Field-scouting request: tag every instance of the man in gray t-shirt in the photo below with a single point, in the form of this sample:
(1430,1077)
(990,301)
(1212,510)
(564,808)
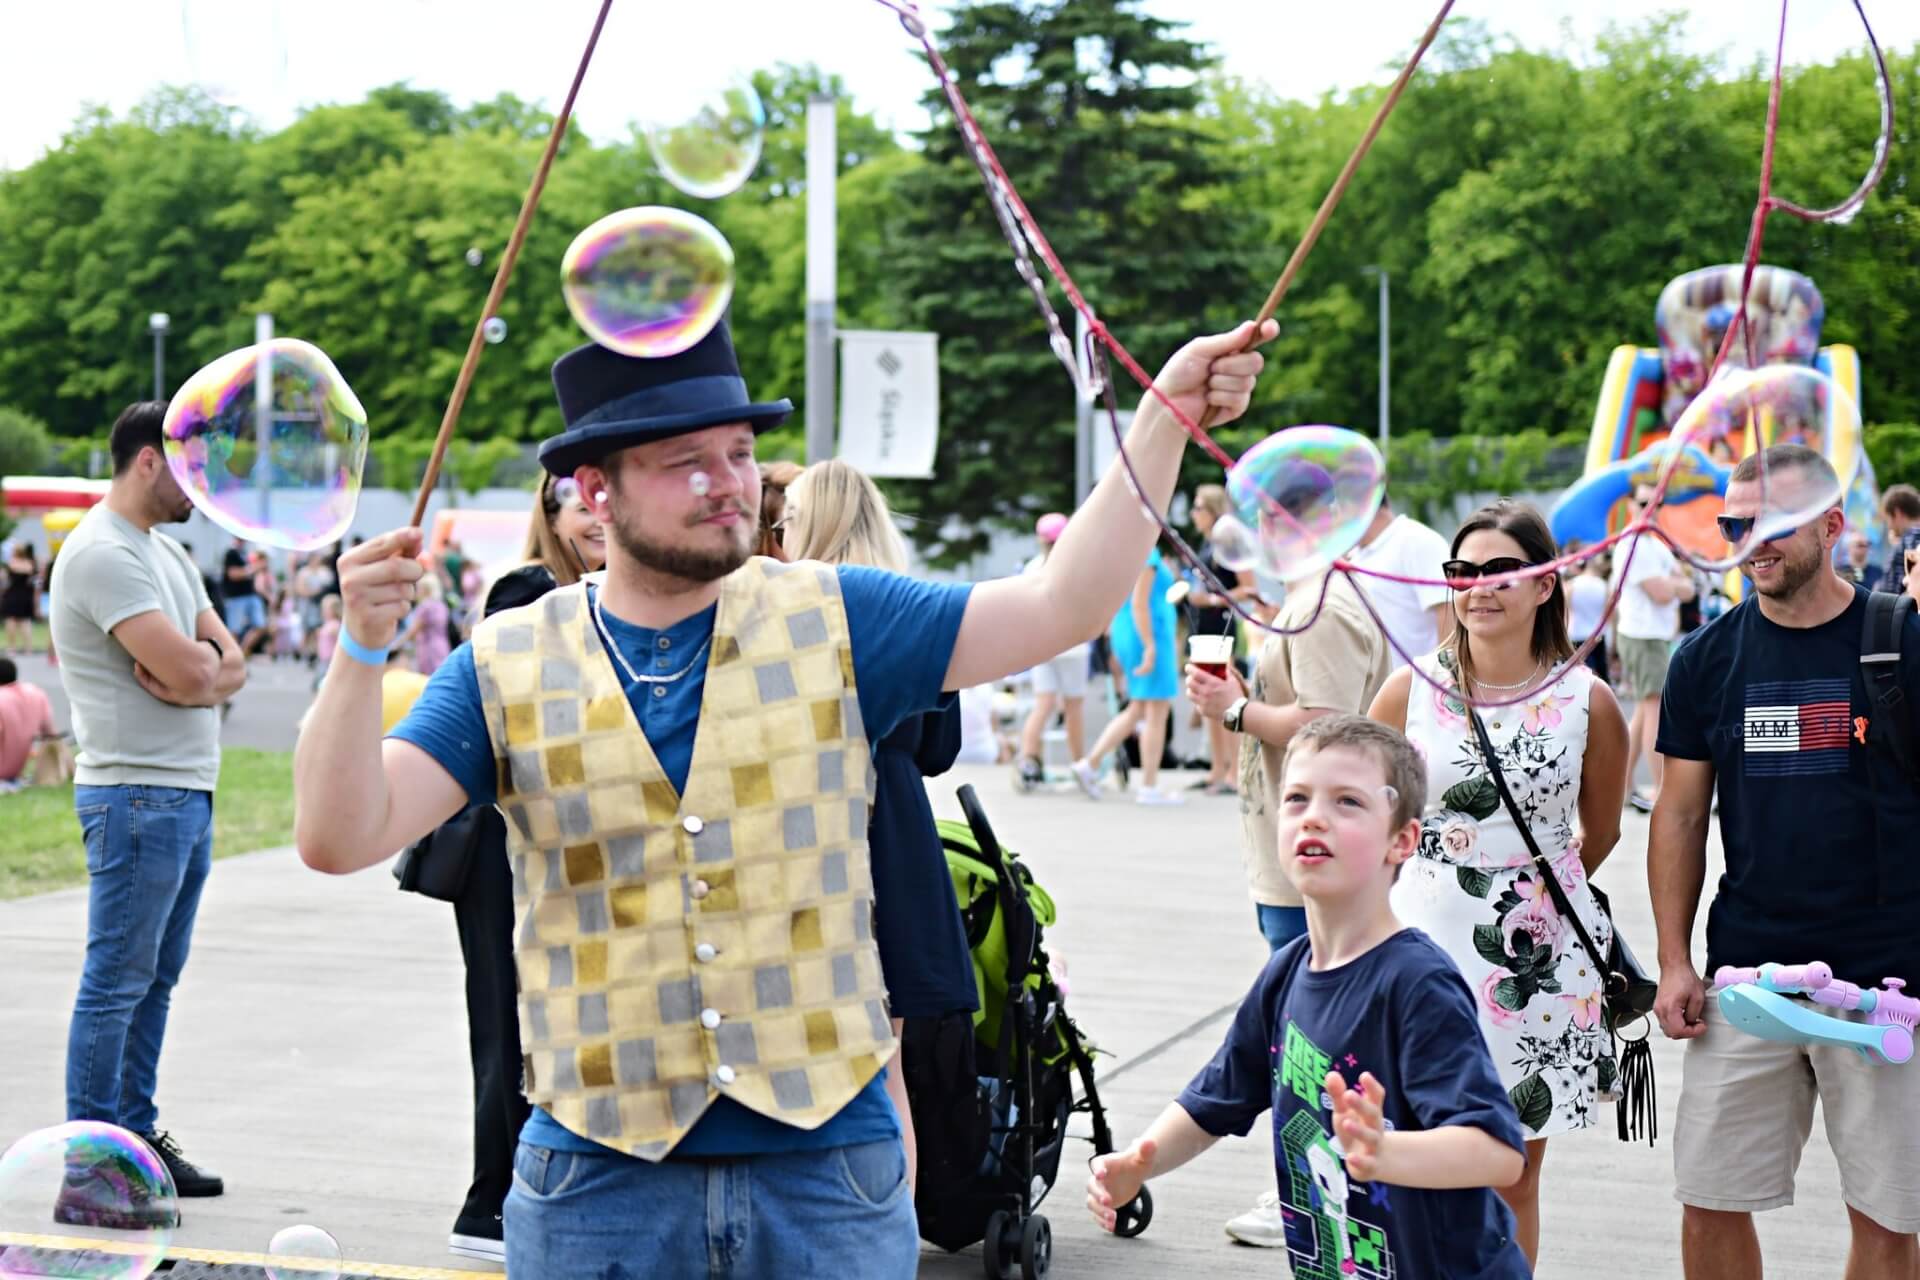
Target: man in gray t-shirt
(146,662)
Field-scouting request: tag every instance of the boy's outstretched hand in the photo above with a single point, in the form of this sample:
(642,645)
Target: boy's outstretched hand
(1357,1122)
(1116,1179)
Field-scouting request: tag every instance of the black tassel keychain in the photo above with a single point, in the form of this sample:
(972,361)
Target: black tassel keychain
(1635,1111)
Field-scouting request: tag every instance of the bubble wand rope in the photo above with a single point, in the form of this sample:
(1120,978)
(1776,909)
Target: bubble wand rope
(1298,259)
(478,342)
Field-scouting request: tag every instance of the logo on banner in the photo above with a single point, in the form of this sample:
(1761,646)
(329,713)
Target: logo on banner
(889,363)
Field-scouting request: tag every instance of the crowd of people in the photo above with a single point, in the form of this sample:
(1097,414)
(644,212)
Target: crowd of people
(670,772)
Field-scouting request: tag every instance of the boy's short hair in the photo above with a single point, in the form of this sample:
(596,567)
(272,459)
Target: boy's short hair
(1901,500)
(1402,766)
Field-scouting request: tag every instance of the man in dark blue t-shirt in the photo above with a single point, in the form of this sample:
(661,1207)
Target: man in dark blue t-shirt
(1817,820)
(708,968)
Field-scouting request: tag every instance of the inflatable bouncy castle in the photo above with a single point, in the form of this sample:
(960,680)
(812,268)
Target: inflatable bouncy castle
(1647,389)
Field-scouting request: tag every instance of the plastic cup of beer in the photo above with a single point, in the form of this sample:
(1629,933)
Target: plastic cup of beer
(1212,654)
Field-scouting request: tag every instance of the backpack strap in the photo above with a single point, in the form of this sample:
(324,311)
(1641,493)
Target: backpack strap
(1892,720)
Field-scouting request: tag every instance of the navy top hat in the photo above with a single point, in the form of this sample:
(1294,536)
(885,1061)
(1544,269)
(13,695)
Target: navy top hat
(611,401)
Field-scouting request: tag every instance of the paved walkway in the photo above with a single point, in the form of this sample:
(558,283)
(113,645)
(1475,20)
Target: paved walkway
(317,1055)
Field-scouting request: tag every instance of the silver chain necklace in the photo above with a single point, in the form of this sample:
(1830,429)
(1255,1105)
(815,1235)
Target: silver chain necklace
(1531,676)
(606,636)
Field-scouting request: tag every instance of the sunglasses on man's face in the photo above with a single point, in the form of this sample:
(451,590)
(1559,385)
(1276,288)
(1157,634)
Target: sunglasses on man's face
(1736,528)
(1462,573)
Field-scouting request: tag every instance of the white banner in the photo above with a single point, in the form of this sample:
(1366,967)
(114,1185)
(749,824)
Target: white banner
(889,402)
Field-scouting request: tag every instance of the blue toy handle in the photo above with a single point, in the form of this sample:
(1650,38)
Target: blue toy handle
(1768,1015)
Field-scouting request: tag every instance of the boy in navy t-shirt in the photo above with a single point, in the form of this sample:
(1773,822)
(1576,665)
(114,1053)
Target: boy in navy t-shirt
(1389,1121)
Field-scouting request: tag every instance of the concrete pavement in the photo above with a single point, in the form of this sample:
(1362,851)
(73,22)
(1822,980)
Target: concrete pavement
(317,1053)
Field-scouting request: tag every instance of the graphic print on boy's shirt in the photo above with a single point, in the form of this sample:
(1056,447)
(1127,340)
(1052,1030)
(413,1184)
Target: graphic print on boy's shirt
(1328,1238)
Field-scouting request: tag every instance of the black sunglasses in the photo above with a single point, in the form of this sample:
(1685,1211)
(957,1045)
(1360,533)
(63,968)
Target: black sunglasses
(1457,572)
(1736,528)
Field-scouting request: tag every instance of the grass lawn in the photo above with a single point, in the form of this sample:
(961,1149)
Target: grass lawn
(41,849)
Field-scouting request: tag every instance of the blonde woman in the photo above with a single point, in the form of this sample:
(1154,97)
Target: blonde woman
(836,514)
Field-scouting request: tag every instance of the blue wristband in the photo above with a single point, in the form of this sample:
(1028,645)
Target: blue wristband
(359,652)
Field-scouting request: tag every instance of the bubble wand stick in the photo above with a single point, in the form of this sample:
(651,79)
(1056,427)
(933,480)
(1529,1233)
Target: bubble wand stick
(478,342)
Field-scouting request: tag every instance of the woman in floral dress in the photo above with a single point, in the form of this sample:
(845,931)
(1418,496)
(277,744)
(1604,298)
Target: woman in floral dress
(1473,885)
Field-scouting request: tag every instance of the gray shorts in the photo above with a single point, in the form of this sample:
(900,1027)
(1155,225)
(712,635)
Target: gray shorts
(1643,667)
(1065,675)
(1746,1108)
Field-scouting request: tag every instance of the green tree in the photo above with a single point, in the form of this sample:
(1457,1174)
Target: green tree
(1089,104)
(25,446)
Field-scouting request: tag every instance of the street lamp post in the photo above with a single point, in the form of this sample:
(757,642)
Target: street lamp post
(1386,359)
(158,322)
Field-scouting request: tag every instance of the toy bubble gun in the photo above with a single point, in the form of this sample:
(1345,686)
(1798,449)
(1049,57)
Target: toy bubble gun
(1755,1000)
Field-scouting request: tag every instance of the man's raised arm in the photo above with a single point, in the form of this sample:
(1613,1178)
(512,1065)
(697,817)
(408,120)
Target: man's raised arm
(357,800)
(1014,623)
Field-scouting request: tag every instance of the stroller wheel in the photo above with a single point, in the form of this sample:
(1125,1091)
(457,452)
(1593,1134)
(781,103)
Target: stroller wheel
(1036,1248)
(994,1253)
(1133,1216)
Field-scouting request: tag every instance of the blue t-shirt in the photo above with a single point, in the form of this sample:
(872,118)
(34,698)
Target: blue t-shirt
(1402,1012)
(902,633)
(1816,821)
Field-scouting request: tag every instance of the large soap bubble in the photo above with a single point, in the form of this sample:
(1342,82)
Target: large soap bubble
(650,281)
(1310,492)
(95,1202)
(1746,411)
(708,143)
(281,469)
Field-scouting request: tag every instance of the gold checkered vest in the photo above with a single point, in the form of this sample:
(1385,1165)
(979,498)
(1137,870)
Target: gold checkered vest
(674,948)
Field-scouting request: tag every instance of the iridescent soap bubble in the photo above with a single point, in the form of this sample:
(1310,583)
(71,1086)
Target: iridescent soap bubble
(1233,545)
(286,473)
(649,281)
(1309,492)
(303,1253)
(495,330)
(475,257)
(700,483)
(1749,410)
(103,1192)
(708,142)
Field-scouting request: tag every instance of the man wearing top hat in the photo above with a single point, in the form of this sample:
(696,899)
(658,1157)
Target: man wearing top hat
(681,748)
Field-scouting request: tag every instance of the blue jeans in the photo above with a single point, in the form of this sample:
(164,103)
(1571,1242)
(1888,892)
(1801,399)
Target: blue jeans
(148,852)
(244,614)
(844,1212)
(1280,925)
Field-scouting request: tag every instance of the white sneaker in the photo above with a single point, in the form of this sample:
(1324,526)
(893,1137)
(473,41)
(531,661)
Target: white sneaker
(1262,1226)
(1154,795)
(1089,780)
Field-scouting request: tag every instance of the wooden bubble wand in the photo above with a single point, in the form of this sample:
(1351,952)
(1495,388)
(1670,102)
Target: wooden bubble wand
(478,342)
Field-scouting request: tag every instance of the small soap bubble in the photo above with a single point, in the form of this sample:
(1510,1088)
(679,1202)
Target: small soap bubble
(475,257)
(650,281)
(1749,410)
(303,1253)
(1309,492)
(287,477)
(1233,545)
(707,143)
(495,330)
(700,482)
(103,1191)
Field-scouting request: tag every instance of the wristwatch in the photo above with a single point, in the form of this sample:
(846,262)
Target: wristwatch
(1234,713)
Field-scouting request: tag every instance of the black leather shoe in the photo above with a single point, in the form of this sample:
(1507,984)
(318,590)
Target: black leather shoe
(189,1179)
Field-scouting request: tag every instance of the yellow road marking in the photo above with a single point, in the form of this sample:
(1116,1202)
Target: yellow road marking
(228,1257)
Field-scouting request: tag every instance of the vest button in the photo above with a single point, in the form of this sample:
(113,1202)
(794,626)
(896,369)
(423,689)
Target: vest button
(659,691)
(701,888)
(665,643)
(709,1018)
(704,953)
(723,1075)
(693,826)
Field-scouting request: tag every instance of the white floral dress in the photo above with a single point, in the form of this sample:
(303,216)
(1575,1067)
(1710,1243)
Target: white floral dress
(1476,890)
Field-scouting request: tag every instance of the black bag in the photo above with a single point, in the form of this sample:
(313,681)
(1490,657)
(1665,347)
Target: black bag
(437,864)
(1627,993)
(1891,725)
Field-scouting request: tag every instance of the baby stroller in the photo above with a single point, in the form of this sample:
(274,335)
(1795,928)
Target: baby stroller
(991,1093)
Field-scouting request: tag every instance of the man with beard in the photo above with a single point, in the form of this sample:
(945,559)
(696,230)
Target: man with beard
(1817,816)
(145,659)
(681,747)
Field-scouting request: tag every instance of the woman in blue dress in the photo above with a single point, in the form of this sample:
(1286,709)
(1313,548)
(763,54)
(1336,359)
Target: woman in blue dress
(834,513)
(1145,649)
